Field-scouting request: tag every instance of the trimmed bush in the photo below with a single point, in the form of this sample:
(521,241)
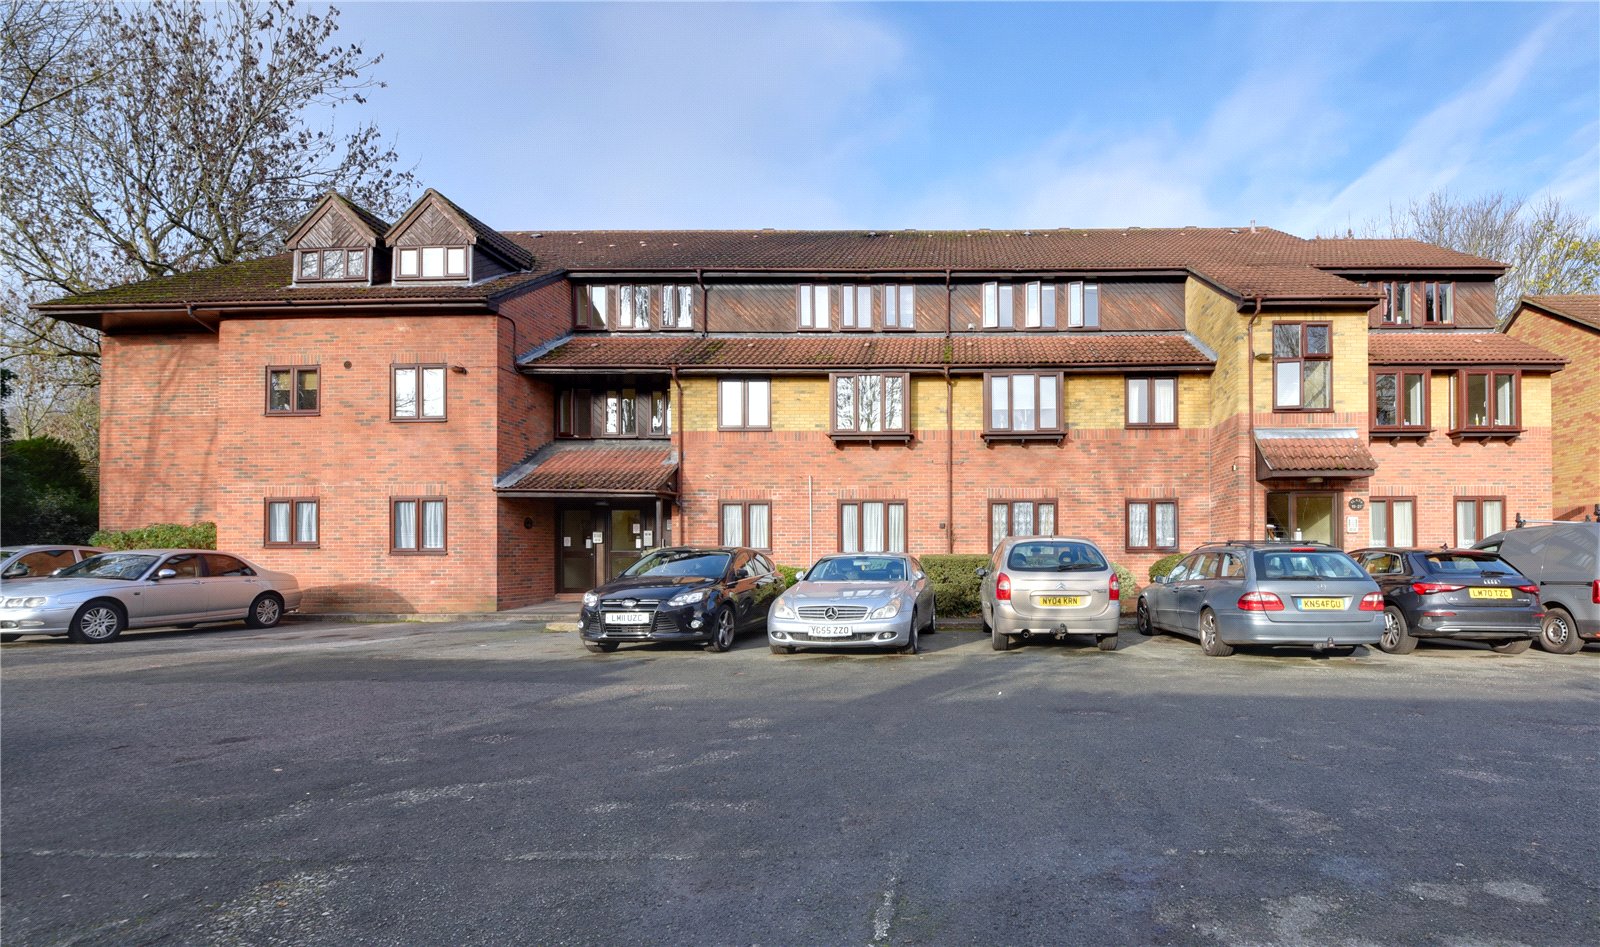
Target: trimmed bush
(791,574)
(1127,588)
(159,536)
(1163,566)
(955,583)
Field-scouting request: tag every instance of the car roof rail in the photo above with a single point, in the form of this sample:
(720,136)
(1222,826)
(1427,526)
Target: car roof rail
(1278,542)
(1522,521)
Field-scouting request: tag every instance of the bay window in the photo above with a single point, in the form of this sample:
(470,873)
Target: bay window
(1399,401)
(1485,402)
(872,526)
(870,403)
(1302,366)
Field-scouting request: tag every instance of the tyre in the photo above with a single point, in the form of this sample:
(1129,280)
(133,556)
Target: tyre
(998,641)
(1559,633)
(1515,646)
(1141,619)
(600,647)
(97,623)
(933,620)
(1397,637)
(1107,642)
(1210,641)
(722,638)
(910,647)
(266,611)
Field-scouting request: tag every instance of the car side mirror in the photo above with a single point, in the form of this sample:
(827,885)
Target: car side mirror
(167,574)
(918,576)
(1163,579)
(982,571)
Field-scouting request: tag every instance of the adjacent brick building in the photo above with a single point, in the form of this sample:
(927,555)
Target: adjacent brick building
(1569,324)
(436,416)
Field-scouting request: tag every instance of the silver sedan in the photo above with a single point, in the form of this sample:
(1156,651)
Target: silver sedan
(856,600)
(95,600)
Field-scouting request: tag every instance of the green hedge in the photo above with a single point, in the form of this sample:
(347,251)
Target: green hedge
(1163,566)
(955,583)
(791,574)
(159,536)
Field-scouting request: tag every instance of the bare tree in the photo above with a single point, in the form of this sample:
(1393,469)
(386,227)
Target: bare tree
(42,47)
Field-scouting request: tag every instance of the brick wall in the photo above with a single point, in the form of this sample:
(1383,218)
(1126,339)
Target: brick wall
(1575,410)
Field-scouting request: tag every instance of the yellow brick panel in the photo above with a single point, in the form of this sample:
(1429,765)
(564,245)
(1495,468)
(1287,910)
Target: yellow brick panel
(1349,359)
(1535,400)
(1216,321)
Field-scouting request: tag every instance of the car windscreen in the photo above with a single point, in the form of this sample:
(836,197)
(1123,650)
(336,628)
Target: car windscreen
(1055,556)
(858,569)
(681,562)
(111,565)
(1455,563)
(1292,564)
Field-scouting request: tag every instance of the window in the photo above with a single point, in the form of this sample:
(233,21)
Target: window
(1397,303)
(1153,525)
(677,307)
(1477,517)
(418,392)
(998,305)
(222,567)
(1083,305)
(1302,366)
(593,306)
(1439,303)
(744,404)
(870,404)
(418,525)
(872,526)
(1394,521)
(899,307)
(1400,401)
(1152,402)
(855,307)
(431,263)
(1023,403)
(293,390)
(291,522)
(1020,518)
(623,412)
(332,265)
(747,524)
(660,414)
(814,309)
(1484,402)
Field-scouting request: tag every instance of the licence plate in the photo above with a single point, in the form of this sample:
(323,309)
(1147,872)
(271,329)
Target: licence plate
(830,631)
(1062,601)
(627,618)
(1322,605)
(1490,593)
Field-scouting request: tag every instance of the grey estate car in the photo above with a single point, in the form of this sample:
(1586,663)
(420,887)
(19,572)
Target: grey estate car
(855,600)
(1044,586)
(1563,559)
(1268,593)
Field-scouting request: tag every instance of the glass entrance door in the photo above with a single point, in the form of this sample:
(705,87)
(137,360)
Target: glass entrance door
(625,541)
(1310,517)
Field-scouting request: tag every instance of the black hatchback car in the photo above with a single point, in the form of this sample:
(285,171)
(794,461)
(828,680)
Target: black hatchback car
(1452,593)
(682,593)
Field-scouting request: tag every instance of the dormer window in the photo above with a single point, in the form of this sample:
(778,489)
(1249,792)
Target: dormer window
(431,263)
(318,266)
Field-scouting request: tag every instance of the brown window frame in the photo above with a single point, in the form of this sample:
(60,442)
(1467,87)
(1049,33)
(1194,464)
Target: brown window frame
(584,313)
(1388,519)
(1089,314)
(1391,291)
(295,542)
(1422,427)
(884,433)
(902,323)
(1433,295)
(1051,502)
(295,371)
(744,523)
(1477,502)
(805,294)
(419,550)
(860,532)
(418,367)
(852,292)
(321,254)
(1150,399)
(676,290)
(744,403)
(1150,504)
(1056,433)
(1305,356)
(1458,402)
(464,276)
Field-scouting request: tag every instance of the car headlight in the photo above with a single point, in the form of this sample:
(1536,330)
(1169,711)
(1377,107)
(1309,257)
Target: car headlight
(590,600)
(888,611)
(31,602)
(688,598)
(782,609)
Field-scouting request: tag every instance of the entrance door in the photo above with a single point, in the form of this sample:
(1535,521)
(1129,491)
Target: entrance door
(1311,517)
(625,542)
(576,550)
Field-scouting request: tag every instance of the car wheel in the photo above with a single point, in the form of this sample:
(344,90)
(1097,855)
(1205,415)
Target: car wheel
(1558,634)
(722,638)
(910,647)
(1107,642)
(1210,641)
(998,641)
(600,647)
(933,620)
(7,639)
(265,612)
(1397,637)
(1141,619)
(1515,646)
(96,623)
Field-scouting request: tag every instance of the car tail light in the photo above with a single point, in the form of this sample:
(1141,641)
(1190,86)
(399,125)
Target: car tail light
(1116,588)
(1260,602)
(1433,588)
(1534,590)
(1372,602)
(1594,593)
(1002,588)
(1303,549)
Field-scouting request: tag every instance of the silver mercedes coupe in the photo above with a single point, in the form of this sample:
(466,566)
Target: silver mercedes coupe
(854,600)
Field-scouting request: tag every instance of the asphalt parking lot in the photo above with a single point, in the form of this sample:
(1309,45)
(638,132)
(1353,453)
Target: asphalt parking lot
(485,783)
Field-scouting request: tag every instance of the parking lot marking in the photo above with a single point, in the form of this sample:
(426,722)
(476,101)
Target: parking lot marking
(884,915)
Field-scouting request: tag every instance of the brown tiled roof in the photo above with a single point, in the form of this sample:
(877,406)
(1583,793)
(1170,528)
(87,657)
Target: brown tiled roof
(582,467)
(1339,451)
(1444,347)
(844,351)
(1389,253)
(1579,307)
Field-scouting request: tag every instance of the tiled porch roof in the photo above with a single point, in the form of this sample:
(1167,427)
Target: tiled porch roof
(1294,452)
(583,468)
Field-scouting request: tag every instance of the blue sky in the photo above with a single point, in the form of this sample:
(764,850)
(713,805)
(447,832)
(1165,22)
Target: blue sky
(1306,117)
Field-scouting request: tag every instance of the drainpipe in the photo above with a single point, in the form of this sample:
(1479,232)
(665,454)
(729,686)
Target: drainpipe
(949,463)
(811,524)
(681,436)
(1250,414)
(189,309)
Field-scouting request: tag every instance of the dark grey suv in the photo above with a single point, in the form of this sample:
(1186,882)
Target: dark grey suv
(1268,593)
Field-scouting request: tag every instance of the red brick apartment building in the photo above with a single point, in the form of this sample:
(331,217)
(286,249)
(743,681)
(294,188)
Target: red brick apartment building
(431,415)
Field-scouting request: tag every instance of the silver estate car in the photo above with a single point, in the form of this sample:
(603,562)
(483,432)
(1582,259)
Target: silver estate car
(1269,593)
(1036,586)
(855,600)
(96,599)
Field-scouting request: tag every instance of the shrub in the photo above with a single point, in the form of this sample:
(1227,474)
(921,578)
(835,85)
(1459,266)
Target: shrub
(159,536)
(48,498)
(1163,566)
(1127,588)
(791,574)
(955,583)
